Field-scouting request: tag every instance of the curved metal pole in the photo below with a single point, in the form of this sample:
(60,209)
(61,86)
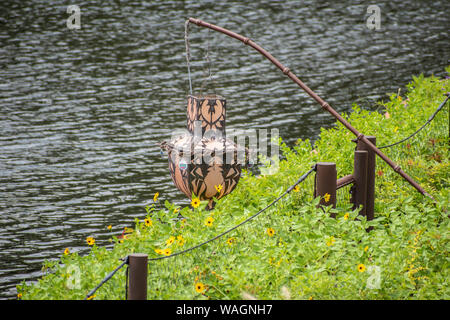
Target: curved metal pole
(313,95)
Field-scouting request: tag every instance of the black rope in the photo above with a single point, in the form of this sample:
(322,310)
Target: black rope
(109,276)
(423,126)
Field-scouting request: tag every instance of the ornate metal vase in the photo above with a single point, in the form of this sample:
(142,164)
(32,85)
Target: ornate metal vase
(202,162)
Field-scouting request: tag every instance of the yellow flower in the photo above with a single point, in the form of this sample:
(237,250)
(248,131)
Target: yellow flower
(361,267)
(159,251)
(148,222)
(90,241)
(170,241)
(297,188)
(199,287)
(209,221)
(230,241)
(279,262)
(346,216)
(218,188)
(167,252)
(66,252)
(176,210)
(326,197)
(155,197)
(180,240)
(195,203)
(331,241)
(366,248)
(270,232)
(19,295)
(91,297)
(109,227)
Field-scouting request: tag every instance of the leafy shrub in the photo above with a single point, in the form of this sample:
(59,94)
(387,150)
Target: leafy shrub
(295,250)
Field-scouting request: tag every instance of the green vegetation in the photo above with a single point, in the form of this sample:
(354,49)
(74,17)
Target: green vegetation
(294,250)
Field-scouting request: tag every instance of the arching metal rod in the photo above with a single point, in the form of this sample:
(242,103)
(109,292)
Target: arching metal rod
(313,95)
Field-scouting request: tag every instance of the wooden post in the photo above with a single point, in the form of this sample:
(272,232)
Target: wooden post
(360,175)
(137,276)
(371,159)
(326,177)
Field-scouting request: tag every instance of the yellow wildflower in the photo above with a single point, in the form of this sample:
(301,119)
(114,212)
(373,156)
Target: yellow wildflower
(90,241)
(167,252)
(155,197)
(209,221)
(361,267)
(66,252)
(346,216)
(270,232)
(19,295)
(326,197)
(199,287)
(297,188)
(170,241)
(91,297)
(195,203)
(109,227)
(158,251)
(148,222)
(218,188)
(366,248)
(230,241)
(180,240)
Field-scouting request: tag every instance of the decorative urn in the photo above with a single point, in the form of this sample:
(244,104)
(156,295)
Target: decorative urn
(202,161)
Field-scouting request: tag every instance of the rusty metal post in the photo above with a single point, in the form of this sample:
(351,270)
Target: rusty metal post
(371,163)
(360,173)
(137,276)
(326,177)
(344,181)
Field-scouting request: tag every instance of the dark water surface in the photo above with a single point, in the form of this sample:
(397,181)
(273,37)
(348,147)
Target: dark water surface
(81,110)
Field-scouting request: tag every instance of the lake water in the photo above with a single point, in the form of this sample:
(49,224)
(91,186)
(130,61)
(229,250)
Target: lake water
(81,110)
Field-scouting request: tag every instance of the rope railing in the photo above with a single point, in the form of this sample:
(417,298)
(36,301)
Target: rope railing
(441,106)
(109,276)
(126,259)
